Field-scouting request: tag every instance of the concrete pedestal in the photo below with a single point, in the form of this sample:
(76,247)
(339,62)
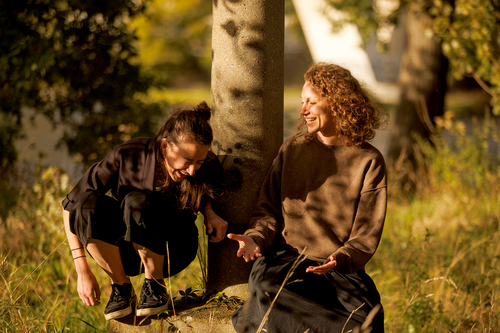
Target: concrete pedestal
(192,318)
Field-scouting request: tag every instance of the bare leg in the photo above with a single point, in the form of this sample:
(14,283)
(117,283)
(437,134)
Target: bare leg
(108,257)
(153,262)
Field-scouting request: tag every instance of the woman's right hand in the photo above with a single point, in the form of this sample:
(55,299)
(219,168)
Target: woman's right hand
(248,249)
(88,288)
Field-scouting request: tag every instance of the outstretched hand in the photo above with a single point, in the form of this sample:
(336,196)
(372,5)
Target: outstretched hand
(248,249)
(328,266)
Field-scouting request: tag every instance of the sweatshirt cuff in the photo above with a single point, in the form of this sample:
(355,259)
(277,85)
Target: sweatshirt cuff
(343,262)
(257,239)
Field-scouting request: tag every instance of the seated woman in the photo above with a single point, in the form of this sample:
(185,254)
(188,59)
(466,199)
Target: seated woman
(324,196)
(157,186)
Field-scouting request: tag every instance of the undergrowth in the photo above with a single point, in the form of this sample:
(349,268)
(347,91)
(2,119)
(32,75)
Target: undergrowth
(37,276)
(437,267)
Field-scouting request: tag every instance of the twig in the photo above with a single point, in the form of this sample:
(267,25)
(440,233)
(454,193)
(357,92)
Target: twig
(484,86)
(410,303)
(370,317)
(359,307)
(299,260)
(491,310)
(423,113)
(41,263)
(169,283)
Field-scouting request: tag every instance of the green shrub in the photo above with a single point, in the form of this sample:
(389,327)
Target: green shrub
(37,277)
(437,267)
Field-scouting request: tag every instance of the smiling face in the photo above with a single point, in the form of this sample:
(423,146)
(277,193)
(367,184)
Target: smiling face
(316,112)
(184,157)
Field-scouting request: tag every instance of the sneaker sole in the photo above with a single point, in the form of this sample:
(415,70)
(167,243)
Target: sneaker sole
(121,313)
(151,311)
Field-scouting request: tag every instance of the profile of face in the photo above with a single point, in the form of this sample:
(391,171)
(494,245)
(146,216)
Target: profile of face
(316,111)
(183,157)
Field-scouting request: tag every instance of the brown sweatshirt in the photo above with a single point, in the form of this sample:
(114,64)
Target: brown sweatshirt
(327,199)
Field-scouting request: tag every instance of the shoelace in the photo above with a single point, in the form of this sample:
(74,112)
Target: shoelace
(118,293)
(150,292)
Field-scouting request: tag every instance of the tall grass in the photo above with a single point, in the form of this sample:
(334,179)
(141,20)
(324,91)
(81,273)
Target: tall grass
(37,276)
(437,267)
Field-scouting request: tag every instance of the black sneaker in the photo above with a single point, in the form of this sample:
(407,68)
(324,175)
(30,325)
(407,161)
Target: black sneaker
(121,301)
(154,298)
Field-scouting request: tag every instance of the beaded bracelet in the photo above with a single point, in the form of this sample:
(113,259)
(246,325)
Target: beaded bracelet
(78,248)
(79,257)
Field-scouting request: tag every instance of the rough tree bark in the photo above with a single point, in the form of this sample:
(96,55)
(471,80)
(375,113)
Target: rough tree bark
(422,79)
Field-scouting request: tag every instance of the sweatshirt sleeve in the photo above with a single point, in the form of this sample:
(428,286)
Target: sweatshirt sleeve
(368,223)
(267,218)
(99,177)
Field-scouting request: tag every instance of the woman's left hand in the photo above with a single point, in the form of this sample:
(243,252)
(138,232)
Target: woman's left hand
(327,267)
(216,227)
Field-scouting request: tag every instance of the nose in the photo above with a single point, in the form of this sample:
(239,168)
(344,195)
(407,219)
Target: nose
(191,170)
(303,109)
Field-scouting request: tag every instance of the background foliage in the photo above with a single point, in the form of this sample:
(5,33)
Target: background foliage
(446,40)
(437,267)
(69,60)
(174,42)
(468,29)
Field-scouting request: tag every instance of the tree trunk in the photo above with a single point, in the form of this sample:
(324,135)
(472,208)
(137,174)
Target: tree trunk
(422,80)
(247,101)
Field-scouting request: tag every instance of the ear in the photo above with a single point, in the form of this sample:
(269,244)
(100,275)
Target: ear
(164,144)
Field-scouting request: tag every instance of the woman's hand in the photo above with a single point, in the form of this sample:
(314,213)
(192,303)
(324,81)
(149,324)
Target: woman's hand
(217,223)
(327,267)
(88,288)
(213,222)
(248,249)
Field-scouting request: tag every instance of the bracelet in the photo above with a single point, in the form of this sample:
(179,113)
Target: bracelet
(79,257)
(78,248)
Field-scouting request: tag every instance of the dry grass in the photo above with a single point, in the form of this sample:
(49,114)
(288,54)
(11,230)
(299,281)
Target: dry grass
(437,267)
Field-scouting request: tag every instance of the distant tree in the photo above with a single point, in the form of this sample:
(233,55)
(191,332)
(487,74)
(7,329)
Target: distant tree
(470,35)
(69,60)
(174,41)
(462,33)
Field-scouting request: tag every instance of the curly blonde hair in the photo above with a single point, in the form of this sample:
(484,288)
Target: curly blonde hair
(356,116)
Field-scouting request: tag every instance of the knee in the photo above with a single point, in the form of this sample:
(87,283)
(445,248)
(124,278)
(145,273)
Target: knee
(135,201)
(88,200)
(86,205)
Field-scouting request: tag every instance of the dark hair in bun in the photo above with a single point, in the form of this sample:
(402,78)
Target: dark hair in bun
(181,125)
(204,110)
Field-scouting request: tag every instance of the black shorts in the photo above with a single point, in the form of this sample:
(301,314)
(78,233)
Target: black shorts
(145,218)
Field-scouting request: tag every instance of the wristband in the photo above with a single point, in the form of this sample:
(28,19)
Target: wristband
(78,248)
(79,257)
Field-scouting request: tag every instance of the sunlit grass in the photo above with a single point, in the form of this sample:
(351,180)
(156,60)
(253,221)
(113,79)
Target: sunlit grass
(437,267)
(37,276)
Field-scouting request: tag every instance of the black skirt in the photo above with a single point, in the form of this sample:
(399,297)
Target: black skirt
(147,219)
(332,302)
